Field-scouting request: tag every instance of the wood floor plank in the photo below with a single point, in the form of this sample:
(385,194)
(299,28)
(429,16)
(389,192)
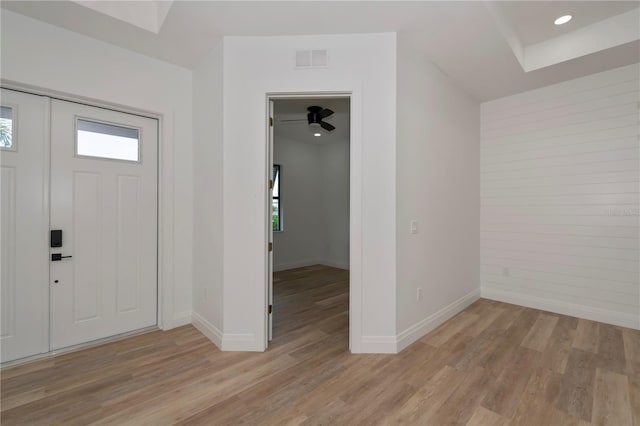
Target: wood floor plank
(611,405)
(478,349)
(633,375)
(557,352)
(567,321)
(455,325)
(507,390)
(508,317)
(387,375)
(294,384)
(16,400)
(426,400)
(21,370)
(483,417)
(485,318)
(535,406)
(459,407)
(200,393)
(631,340)
(539,335)
(437,358)
(532,411)
(575,396)
(355,376)
(329,414)
(494,363)
(634,396)
(384,397)
(227,411)
(587,336)
(611,350)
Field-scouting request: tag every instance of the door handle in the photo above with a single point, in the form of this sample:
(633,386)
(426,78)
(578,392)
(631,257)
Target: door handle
(58,256)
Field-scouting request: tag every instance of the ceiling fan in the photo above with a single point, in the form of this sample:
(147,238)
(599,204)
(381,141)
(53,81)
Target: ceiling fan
(316,117)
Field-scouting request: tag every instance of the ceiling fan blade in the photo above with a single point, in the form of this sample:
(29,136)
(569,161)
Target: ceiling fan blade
(328,127)
(326,113)
(297,119)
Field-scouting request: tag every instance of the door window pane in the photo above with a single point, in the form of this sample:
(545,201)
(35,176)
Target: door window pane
(107,141)
(6,127)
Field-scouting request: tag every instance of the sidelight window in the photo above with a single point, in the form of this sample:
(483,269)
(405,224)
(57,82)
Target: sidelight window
(7,128)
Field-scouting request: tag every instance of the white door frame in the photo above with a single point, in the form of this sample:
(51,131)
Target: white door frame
(355,206)
(165,192)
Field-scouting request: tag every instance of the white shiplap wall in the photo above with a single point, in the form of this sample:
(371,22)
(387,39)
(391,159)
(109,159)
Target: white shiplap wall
(560,208)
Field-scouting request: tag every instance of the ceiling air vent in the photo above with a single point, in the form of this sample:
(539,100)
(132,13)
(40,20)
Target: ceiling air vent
(311,59)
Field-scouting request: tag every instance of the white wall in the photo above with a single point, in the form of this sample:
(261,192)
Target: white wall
(254,66)
(207,205)
(48,57)
(314,187)
(560,204)
(438,170)
(335,203)
(301,241)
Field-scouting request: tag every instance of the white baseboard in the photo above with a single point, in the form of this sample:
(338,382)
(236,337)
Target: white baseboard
(377,345)
(241,342)
(302,263)
(335,264)
(428,324)
(564,308)
(226,342)
(181,318)
(296,264)
(205,327)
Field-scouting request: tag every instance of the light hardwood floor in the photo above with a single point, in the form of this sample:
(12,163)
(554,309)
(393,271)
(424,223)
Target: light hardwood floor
(493,364)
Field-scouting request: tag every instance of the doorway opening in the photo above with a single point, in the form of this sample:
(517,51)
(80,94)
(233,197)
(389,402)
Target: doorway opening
(309,217)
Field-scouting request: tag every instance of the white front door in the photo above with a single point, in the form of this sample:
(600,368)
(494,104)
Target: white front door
(24,217)
(104,200)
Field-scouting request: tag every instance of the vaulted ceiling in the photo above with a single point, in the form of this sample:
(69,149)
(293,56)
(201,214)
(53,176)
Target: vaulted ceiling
(491,49)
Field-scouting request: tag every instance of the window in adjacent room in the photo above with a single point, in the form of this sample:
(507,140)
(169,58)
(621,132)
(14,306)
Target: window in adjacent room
(276,206)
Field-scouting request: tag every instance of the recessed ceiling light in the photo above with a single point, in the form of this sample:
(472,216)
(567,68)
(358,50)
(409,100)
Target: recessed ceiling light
(317,135)
(562,20)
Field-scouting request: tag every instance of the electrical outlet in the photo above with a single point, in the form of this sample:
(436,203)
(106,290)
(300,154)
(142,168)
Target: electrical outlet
(419,294)
(413,226)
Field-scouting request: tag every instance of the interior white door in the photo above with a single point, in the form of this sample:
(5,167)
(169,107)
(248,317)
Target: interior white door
(104,199)
(24,227)
(270,229)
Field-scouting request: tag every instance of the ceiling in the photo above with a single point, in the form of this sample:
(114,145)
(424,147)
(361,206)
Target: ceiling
(288,109)
(541,27)
(490,49)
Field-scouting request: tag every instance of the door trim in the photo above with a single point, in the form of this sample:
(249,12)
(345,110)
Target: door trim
(165,266)
(355,207)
